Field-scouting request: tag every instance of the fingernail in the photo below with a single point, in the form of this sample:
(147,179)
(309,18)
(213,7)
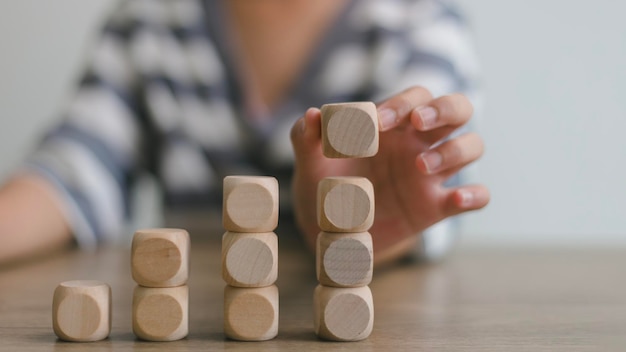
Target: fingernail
(428,115)
(432,160)
(387,118)
(467,198)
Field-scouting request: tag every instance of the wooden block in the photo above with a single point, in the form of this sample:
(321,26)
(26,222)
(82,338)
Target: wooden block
(344,259)
(160,257)
(349,130)
(251,314)
(345,204)
(343,314)
(81,310)
(250,203)
(250,259)
(160,314)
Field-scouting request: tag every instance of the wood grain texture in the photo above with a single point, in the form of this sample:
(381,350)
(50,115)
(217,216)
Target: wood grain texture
(250,259)
(345,204)
(344,259)
(161,314)
(160,257)
(343,314)
(81,310)
(251,314)
(489,299)
(250,203)
(349,130)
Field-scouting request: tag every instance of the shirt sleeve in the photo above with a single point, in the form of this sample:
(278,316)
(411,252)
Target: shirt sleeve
(91,156)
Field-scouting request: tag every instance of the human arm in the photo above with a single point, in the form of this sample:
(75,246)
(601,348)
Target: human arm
(64,174)
(31,219)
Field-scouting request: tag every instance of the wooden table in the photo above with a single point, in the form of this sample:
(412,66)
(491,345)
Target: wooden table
(473,301)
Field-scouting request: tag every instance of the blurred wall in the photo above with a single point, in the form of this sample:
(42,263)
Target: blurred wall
(42,51)
(554,119)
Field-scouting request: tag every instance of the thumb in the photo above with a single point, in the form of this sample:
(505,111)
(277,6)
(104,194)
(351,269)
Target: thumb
(306,136)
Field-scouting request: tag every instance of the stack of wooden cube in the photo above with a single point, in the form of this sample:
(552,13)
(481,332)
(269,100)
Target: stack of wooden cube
(344,260)
(343,304)
(160,267)
(250,257)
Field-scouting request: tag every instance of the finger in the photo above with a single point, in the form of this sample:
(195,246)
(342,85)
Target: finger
(306,134)
(396,109)
(451,155)
(466,198)
(442,116)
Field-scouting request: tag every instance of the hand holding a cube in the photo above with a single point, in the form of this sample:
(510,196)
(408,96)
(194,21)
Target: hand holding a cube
(403,146)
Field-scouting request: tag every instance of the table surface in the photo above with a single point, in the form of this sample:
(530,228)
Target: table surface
(473,300)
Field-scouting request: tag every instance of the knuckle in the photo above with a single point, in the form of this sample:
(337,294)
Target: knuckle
(481,146)
(463,149)
(403,104)
(456,106)
(420,91)
(412,97)
(453,153)
(408,99)
(477,143)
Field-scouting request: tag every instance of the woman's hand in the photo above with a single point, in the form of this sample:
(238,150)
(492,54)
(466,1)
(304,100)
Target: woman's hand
(408,172)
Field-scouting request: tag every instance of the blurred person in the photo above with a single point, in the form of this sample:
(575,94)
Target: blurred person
(194,90)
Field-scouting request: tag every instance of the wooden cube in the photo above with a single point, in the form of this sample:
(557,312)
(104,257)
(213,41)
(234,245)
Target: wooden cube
(250,204)
(349,130)
(345,204)
(344,259)
(251,314)
(161,314)
(81,310)
(250,259)
(343,314)
(160,257)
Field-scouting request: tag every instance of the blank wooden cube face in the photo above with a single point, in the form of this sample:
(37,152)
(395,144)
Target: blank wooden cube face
(343,314)
(349,130)
(344,259)
(250,259)
(251,314)
(250,204)
(345,204)
(160,257)
(160,314)
(81,310)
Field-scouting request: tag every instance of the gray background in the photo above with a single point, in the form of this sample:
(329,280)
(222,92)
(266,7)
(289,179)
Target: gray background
(553,121)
